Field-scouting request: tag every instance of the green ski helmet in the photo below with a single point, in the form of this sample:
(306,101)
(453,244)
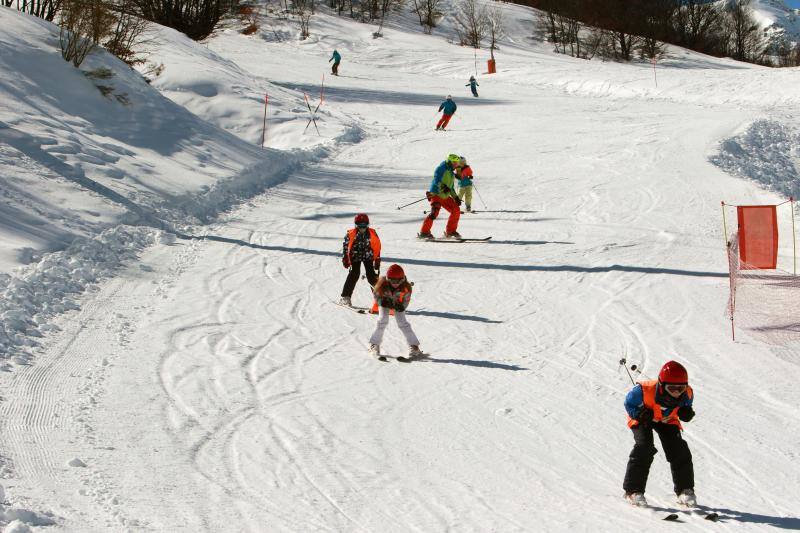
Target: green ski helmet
(454,160)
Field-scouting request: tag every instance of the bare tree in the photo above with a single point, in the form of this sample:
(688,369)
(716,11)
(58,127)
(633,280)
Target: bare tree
(45,9)
(495,27)
(302,8)
(470,22)
(696,21)
(77,29)
(428,12)
(196,18)
(746,41)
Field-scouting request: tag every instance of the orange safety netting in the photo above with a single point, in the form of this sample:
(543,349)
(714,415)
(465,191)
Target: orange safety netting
(764,302)
(758,236)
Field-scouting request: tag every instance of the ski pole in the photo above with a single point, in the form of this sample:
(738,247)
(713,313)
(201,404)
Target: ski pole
(624,363)
(412,203)
(479,196)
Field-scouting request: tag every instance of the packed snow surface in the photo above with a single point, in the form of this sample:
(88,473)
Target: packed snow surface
(173,359)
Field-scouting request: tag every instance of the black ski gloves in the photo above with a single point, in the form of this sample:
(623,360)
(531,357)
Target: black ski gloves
(346,261)
(685,413)
(645,416)
(377,265)
(428,195)
(457,199)
(445,189)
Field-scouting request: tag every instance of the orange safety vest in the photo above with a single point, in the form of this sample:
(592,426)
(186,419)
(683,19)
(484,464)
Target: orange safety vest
(649,400)
(374,242)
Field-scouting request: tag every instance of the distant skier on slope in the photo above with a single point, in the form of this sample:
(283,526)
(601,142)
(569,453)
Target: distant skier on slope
(336,58)
(442,194)
(448,109)
(361,246)
(660,406)
(393,292)
(464,174)
(473,85)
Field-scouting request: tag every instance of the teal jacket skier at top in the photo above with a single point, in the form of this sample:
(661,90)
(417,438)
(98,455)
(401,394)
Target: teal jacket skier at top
(336,58)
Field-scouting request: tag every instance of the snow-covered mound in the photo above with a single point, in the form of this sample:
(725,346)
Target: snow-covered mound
(768,151)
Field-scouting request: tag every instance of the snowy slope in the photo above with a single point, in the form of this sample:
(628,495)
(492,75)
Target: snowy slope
(213,386)
(778,19)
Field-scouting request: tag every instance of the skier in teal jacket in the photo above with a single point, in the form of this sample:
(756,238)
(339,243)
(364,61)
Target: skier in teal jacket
(448,109)
(336,58)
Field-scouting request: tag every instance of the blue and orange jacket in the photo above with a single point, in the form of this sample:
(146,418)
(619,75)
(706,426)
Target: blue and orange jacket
(449,107)
(443,175)
(646,394)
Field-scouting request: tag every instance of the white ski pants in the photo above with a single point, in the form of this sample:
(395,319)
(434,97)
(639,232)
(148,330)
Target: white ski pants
(402,323)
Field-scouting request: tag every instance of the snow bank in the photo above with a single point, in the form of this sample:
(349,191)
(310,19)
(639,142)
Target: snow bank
(38,292)
(767,152)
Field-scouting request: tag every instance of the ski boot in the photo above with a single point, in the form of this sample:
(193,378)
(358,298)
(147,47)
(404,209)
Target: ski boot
(452,235)
(345,300)
(636,498)
(687,498)
(374,350)
(425,236)
(415,352)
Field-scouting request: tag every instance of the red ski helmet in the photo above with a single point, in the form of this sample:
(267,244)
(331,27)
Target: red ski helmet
(673,372)
(361,218)
(395,272)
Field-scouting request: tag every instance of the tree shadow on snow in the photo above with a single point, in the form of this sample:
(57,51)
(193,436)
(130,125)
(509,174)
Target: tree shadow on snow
(528,243)
(357,95)
(455,316)
(473,362)
(456,264)
(782,522)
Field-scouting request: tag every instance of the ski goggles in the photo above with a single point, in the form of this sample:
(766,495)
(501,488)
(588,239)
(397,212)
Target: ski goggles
(362,226)
(396,281)
(676,388)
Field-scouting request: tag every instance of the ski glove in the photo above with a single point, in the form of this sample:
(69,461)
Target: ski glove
(445,188)
(645,416)
(685,413)
(346,261)
(377,265)
(457,200)
(428,195)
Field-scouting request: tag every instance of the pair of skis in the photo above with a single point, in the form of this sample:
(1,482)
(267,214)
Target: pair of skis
(453,239)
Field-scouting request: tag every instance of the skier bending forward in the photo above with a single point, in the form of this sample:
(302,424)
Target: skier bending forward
(660,406)
(393,292)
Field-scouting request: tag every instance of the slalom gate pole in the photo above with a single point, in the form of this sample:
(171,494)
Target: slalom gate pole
(479,196)
(724,224)
(794,237)
(264,128)
(412,203)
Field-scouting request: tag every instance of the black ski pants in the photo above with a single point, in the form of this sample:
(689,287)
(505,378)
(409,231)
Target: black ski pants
(675,448)
(355,273)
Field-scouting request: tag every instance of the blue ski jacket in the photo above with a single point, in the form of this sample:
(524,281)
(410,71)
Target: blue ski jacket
(634,402)
(336,58)
(449,107)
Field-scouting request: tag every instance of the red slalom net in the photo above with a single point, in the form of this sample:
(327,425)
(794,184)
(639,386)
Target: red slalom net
(763,299)
(763,302)
(758,236)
